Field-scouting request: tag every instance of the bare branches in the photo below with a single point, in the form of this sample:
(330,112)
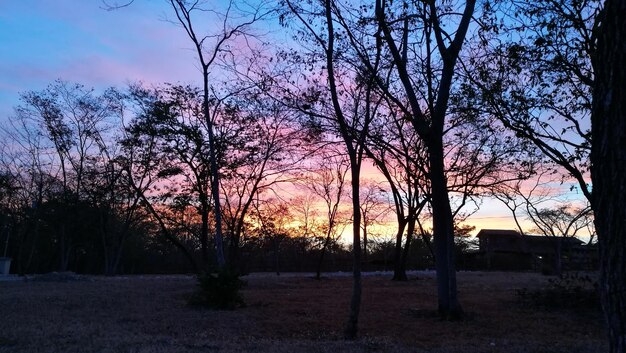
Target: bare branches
(115,5)
(539,84)
(208,53)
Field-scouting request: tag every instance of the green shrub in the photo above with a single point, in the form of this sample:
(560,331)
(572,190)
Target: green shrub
(219,290)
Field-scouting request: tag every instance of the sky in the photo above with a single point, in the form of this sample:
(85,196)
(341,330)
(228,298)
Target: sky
(79,41)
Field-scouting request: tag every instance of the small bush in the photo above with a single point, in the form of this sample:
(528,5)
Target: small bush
(571,291)
(219,290)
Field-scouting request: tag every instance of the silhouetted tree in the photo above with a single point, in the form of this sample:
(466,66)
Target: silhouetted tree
(374,207)
(608,171)
(327,180)
(398,154)
(266,152)
(440,62)
(210,48)
(349,103)
(150,160)
(533,71)
(74,125)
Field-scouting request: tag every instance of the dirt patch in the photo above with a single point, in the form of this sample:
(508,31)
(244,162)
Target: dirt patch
(290,313)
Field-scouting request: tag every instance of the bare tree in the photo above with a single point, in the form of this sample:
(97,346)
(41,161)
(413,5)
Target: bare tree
(208,49)
(266,152)
(398,154)
(327,180)
(25,163)
(74,122)
(271,218)
(534,72)
(564,220)
(348,105)
(374,207)
(429,124)
(546,207)
(306,213)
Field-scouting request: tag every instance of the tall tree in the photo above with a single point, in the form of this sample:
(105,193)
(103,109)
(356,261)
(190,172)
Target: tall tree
(74,122)
(533,69)
(266,151)
(149,160)
(429,123)
(209,49)
(173,118)
(608,167)
(349,103)
(25,163)
(398,154)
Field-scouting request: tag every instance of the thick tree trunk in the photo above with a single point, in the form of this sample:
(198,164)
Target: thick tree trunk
(215,178)
(407,245)
(399,274)
(443,234)
(355,302)
(204,232)
(608,171)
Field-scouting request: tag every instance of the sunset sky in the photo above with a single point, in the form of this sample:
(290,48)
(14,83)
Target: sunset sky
(78,41)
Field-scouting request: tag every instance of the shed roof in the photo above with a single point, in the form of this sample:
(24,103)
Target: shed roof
(498,232)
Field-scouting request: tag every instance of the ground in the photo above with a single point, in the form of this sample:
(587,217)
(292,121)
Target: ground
(287,313)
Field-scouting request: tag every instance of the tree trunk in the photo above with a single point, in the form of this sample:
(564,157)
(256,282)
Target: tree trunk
(355,302)
(398,273)
(213,164)
(608,167)
(365,246)
(204,232)
(407,245)
(320,260)
(443,234)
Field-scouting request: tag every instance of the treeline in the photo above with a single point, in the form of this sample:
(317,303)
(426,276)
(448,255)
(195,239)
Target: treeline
(118,183)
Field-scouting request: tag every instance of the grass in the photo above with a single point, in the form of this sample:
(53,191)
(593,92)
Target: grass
(290,313)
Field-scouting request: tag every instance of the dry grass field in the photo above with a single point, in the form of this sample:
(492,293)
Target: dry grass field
(287,313)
